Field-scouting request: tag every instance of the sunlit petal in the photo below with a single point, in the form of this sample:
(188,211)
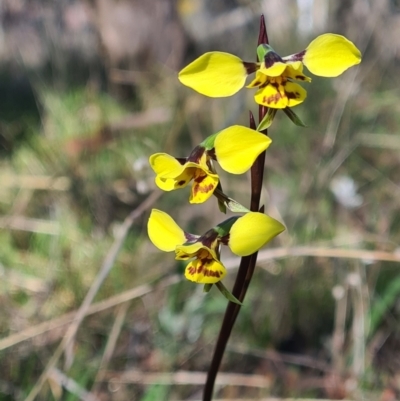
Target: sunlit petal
(203,187)
(205,271)
(215,74)
(163,232)
(329,55)
(165,165)
(294,71)
(251,232)
(276,69)
(237,148)
(259,80)
(188,251)
(295,94)
(273,95)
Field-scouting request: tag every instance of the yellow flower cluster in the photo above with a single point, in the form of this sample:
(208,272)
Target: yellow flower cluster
(235,149)
(218,74)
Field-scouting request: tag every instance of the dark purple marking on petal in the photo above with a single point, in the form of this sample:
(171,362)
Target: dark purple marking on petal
(273,98)
(191,238)
(250,67)
(271,58)
(209,238)
(298,56)
(196,154)
(292,95)
(211,154)
(181,160)
(198,187)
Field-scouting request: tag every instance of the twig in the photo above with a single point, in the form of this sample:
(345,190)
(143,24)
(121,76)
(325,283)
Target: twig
(111,302)
(112,341)
(71,385)
(185,377)
(103,273)
(273,399)
(31,225)
(263,256)
(35,182)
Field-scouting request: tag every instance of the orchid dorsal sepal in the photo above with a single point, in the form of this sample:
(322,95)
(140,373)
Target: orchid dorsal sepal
(262,51)
(294,117)
(227,294)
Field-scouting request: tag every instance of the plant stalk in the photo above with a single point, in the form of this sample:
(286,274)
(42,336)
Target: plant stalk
(247,263)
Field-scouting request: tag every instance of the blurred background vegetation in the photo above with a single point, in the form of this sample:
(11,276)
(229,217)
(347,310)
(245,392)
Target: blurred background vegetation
(89,90)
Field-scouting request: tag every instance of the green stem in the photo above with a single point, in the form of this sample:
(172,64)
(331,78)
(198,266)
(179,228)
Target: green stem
(247,263)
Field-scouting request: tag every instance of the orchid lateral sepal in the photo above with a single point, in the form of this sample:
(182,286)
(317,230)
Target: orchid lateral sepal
(294,117)
(227,202)
(266,122)
(227,294)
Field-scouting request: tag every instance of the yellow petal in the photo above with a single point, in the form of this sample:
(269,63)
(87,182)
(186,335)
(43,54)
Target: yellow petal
(205,271)
(272,95)
(203,187)
(165,165)
(259,80)
(294,71)
(170,184)
(215,74)
(276,69)
(251,232)
(295,94)
(237,147)
(329,55)
(184,251)
(163,232)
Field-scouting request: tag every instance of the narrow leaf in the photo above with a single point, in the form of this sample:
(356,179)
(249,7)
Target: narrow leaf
(267,120)
(294,117)
(227,294)
(207,287)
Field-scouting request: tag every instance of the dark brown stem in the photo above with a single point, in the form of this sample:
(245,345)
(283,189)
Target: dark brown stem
(247,263)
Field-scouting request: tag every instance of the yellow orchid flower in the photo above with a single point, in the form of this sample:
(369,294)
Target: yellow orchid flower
(218,74)
(244,235)
(234,148)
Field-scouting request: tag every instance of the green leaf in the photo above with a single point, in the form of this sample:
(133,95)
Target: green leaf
(227,294)
(267,120)
(207,287)
(294,117)
(227,202)
(235,206)
(221,206)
